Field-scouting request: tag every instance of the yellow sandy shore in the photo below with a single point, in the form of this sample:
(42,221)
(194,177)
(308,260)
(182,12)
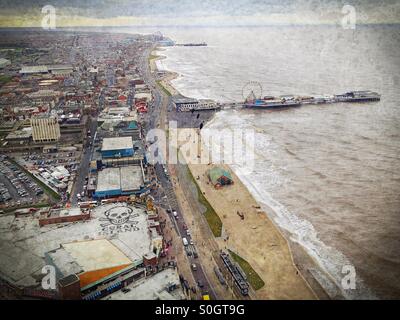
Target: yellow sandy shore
(256,239)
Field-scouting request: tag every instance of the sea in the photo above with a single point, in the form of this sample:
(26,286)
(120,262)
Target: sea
(330,173)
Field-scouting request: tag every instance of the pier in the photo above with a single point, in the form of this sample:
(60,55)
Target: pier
(270,102)
(201,44)
(184,107)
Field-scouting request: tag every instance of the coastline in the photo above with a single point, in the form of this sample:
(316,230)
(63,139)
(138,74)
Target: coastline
(168,76)
(281,262)
(301,259)
(255,238)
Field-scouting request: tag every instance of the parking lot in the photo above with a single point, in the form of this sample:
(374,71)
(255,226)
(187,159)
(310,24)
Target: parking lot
(70,160)
(56,169)
(16,187)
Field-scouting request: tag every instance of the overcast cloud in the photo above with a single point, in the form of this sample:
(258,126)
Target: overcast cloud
(121,12)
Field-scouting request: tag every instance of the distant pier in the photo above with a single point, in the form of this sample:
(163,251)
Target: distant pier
(200,44)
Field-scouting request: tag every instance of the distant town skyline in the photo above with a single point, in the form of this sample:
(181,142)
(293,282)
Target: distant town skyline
(18,13)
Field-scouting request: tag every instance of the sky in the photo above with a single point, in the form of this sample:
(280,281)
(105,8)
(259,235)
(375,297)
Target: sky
(23,13)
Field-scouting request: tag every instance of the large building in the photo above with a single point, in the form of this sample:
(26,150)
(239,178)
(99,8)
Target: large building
(117,147)
(45,129)
(112,182)
(43,69)
(189,104)
(117,236)
(96,259)
(54,216)
(34,69)
(108,251)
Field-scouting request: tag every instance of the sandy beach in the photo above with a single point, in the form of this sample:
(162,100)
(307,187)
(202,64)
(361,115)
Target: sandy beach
(256,239)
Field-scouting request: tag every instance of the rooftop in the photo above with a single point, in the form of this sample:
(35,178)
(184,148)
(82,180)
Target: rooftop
(216,173)
(117,143)
(63,213)
(34,69)
(4,62)
(72,278)
(131,178)
(132,125)
(152,288)
(59,67)
(44,68)
(127,178)
(24,246)
(20,134)
(185,100)
(108,179)
(96,254)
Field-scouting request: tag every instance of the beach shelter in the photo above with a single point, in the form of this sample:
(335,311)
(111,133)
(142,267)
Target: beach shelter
(219,177)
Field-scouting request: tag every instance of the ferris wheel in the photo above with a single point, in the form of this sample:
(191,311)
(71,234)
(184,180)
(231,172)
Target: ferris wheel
(252,90)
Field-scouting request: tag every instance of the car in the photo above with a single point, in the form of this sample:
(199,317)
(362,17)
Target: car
(194,267)
(188,232)
(191,242)
(200,284)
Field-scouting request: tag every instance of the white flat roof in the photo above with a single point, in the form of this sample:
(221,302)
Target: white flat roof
(34,69)
(96,254)
(59,66)
(108,179)
(117,143)
(131,178)
(127,178)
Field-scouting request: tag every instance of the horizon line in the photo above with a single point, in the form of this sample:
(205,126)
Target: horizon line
(201,26)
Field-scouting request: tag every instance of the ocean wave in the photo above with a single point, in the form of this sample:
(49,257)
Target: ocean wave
(265,176)
(303,232)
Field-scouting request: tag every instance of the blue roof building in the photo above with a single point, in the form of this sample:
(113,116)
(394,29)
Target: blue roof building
(117,147)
